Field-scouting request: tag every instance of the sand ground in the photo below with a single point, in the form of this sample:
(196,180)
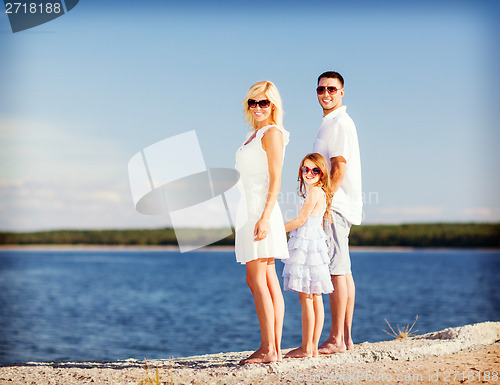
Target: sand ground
(465,355)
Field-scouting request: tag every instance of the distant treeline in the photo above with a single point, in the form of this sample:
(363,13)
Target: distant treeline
(482,235)
(412,235)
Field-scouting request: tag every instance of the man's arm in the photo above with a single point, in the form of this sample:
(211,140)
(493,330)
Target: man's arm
(337,172)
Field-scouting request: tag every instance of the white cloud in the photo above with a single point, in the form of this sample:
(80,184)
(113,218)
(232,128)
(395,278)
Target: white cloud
(56,177)
(53,178)
(427,213)
(49,151)
(31,206)
(487,214)
(413,211)
(374,214)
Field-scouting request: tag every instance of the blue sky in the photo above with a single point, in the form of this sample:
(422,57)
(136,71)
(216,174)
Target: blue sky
(80,95)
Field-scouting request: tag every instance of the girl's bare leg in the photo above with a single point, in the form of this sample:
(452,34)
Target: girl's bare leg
(257,282)
(306,348)
(319,319)
(278,303)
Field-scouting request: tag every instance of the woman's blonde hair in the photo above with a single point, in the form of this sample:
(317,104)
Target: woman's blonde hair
(323,181)
(269,89)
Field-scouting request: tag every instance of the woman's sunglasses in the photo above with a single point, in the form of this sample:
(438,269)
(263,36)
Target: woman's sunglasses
(262,103)
(321,90)
(315,170)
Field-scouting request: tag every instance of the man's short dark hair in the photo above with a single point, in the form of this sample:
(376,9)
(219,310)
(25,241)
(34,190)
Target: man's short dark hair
(332,75)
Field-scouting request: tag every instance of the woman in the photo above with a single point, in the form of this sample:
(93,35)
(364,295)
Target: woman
(260,231)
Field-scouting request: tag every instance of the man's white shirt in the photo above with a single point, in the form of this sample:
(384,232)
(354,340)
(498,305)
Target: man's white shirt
(337,137)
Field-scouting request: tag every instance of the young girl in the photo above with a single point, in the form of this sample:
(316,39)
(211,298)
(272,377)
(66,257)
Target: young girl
(306,271)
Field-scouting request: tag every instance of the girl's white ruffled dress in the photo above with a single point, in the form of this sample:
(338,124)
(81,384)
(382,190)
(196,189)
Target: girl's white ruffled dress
(306,270)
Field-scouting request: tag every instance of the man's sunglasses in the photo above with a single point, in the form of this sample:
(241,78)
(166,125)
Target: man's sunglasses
(264,103)
(331,90)
(315,170)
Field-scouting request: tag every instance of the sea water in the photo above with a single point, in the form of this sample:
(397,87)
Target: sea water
(83,305)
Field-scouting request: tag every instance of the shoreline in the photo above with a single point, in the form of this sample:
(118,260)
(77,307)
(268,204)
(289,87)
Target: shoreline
(89,247)
(436,357)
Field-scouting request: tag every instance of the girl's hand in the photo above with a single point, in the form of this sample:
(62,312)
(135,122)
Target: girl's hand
(261,229)
(313,197)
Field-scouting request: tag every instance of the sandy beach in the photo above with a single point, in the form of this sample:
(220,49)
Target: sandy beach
(463,355)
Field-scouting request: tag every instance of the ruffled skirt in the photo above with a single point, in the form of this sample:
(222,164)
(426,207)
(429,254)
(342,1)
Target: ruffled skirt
(306,270)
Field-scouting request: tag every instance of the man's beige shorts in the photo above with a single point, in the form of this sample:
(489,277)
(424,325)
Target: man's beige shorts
(338,244)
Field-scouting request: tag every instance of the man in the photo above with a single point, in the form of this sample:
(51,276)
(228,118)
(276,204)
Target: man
(337,141)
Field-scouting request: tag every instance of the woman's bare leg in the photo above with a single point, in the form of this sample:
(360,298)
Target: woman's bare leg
(278,304)
(257,282)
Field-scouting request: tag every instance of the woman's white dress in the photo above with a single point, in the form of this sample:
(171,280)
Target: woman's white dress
(306,270)
(251,163)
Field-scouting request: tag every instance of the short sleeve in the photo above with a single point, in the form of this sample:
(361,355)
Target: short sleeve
(338,142)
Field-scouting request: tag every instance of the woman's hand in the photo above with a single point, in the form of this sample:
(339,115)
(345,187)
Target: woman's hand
(261,229)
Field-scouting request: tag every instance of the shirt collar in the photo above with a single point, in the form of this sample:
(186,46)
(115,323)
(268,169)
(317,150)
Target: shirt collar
(335,113)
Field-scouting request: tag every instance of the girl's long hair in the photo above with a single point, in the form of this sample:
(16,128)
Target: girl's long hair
(323,182)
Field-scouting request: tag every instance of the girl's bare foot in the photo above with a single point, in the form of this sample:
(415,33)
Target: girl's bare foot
(260,357)
(331,347)
(349,345)
(298,353)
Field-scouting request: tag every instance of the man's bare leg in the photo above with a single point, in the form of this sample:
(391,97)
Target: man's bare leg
(351,296)
(338,304)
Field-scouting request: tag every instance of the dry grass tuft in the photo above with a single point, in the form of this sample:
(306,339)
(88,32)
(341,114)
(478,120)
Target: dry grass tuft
(404,332)
(156,380)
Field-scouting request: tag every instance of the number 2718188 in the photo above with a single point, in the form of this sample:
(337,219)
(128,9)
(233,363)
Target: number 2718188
(25,7)
(470,375)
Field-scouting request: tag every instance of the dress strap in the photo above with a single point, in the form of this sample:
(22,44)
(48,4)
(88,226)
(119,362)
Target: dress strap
(286,134)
